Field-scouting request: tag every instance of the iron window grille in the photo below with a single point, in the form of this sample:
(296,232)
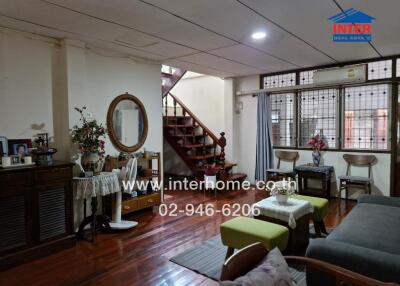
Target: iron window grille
(281,80)
(366,117)
(380,69)
(398,67)
(306,77)
(283,123)
(318,116)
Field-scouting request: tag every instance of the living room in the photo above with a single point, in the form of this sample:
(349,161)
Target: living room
(199,142)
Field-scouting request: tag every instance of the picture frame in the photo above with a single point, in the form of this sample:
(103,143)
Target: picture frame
(19,146)
(3,146)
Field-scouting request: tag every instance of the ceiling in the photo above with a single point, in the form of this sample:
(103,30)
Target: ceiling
(210,36)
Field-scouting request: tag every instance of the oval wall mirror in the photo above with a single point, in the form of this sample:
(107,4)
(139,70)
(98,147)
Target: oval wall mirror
(127,123)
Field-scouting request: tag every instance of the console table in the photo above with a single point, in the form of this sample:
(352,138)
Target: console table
(36,215)
(322,173)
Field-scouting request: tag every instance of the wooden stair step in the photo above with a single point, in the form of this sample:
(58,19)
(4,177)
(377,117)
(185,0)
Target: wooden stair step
(203,156)
(186,135)
(199,145)
(169,117)
(236,177)
(181,126)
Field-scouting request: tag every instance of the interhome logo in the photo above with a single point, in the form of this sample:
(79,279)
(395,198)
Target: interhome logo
(352,26)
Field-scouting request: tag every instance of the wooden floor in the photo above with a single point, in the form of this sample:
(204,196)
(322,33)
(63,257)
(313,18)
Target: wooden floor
(141,256)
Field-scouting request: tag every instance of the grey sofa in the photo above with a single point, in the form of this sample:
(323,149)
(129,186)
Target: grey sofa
(367,241)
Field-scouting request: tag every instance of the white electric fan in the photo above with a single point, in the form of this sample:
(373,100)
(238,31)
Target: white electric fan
(127,174)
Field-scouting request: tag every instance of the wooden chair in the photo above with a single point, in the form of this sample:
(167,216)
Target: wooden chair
(250,256)
(359,182)
(278,173)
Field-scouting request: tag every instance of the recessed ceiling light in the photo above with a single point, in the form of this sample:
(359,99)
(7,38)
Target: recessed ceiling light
(258,35)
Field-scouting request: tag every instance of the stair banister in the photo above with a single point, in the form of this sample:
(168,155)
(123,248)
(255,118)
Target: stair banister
(220,141)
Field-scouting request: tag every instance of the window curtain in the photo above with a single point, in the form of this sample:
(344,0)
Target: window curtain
(264,150)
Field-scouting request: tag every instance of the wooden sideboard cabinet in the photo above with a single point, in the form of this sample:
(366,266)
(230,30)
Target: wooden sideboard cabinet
(36,214)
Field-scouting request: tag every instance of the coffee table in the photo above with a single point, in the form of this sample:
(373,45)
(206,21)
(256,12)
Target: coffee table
(295,215)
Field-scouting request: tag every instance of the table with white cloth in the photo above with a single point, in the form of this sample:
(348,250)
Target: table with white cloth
(105,183)
(294,214)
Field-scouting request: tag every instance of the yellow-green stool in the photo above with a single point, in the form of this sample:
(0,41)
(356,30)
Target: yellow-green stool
(243,231)
(320,206)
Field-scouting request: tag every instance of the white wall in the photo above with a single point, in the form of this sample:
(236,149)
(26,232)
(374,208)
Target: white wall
(26,85)
(42,80)
(204,96)
(246,127)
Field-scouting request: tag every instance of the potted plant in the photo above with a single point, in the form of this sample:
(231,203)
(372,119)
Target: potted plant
(282,190)
(210,176)
(317,143)
(90,139)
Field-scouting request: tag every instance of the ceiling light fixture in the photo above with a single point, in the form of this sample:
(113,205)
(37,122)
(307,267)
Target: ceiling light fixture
(258,35)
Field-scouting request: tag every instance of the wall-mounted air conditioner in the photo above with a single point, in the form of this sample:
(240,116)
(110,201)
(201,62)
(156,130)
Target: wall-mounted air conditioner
(345,75)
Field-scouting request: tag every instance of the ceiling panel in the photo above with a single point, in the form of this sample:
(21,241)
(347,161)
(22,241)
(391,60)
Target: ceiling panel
(254,58)
(386,27)
(222,64)
(200,68)
(235,21)
(146,18)
(308,19)
(82,26)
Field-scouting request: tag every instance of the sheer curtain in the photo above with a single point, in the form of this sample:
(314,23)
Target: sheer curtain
(264,150)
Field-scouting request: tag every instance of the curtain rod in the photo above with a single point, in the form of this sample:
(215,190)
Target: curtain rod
(304,87)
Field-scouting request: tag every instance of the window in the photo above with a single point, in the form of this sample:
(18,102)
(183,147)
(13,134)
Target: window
(366,110)
(380,69)
(306,77)
(398,67)
(282,111)
(281,80)
(318,109)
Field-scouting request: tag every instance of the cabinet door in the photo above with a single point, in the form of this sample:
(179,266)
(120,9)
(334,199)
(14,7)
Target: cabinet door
(13,226)
(52,213)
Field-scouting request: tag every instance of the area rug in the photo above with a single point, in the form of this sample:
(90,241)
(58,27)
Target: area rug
(208,257)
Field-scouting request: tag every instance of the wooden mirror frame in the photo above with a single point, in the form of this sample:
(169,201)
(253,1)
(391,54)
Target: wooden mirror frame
(113,137)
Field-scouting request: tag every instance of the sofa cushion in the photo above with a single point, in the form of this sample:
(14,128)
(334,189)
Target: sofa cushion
(272,271)
(371,226)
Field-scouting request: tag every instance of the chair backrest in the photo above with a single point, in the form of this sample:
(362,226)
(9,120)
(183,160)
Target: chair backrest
(290,156)
(360,161)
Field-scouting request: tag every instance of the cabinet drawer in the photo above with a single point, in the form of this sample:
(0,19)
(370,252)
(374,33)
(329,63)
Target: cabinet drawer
(44,177)
(149,201)
(129,206)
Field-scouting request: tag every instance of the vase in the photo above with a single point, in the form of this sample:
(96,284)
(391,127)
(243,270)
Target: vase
(281,199)
(316,157)
(90,162)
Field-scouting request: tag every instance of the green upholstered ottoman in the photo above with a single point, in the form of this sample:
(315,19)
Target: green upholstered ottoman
(320,210)
(243,231)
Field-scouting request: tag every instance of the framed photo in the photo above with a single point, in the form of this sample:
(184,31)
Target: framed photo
(3,146)
(19,147)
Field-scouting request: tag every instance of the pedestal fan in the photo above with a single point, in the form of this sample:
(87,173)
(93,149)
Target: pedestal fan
(127,174)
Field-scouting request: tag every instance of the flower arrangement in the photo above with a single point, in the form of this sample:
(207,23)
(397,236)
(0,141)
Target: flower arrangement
(284,188)
(211,170)
(317,143)
(89,135)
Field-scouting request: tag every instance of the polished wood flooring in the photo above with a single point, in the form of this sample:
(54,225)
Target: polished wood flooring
(141,256)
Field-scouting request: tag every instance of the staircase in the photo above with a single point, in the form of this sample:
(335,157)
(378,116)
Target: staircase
(189,137)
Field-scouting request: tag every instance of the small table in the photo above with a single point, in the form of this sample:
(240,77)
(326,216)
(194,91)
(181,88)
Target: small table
(295,215)
(91,188)
(322,173)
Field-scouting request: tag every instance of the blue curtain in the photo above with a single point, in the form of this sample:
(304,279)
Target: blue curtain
(264,151)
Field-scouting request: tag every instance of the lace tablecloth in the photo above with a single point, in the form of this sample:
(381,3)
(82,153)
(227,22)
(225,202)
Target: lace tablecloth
(101,185)
(288,212)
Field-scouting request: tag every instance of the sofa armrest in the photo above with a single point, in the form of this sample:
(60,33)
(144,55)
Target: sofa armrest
(379,200)
(379,265)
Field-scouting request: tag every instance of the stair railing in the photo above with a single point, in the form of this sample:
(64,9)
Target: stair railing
(221,141)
